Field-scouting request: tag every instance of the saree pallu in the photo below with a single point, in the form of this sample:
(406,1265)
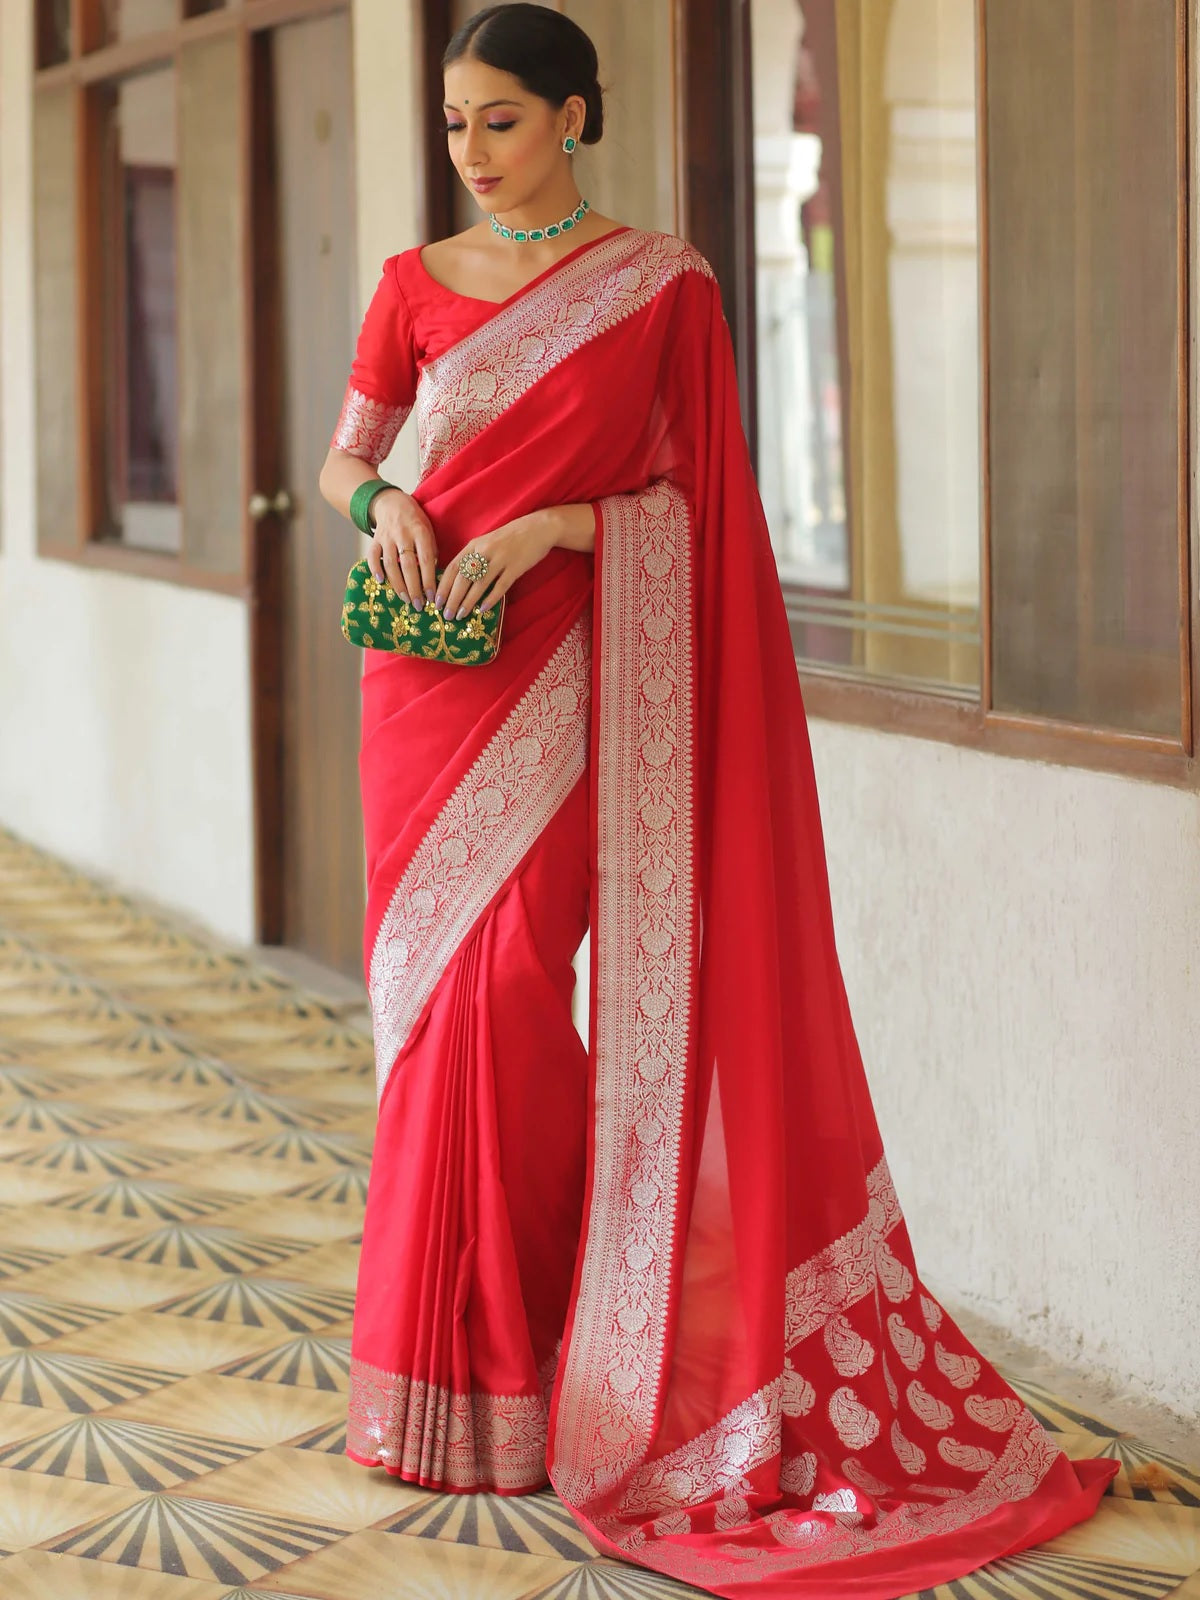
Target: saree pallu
(668,1273)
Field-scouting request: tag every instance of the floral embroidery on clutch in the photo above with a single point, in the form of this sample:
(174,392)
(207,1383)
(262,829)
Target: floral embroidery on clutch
(377,618)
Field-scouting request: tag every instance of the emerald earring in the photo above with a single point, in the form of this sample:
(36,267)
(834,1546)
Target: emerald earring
(569,143)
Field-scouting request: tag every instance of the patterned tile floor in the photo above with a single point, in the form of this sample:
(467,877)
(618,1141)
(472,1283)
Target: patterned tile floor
(184,1139)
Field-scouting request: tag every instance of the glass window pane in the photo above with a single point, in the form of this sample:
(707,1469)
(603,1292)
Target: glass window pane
(138,231)
(868,335)
(56,260)
(128,19)
(1083,232)
(53,32)
(212,331)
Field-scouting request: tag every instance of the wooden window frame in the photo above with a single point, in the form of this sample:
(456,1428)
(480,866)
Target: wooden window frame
(91,63)
(715,161)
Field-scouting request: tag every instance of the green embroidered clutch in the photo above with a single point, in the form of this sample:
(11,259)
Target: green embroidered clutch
(374,616)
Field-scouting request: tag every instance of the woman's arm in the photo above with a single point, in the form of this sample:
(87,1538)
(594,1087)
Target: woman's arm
(340,476)
(572,527)
(404,548)
(512,550)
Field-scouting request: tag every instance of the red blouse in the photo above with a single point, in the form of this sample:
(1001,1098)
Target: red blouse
(411,320)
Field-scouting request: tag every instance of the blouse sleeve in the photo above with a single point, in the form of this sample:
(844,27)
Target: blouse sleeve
(383,376)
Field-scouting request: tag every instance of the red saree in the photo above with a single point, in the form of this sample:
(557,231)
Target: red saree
(668,1273)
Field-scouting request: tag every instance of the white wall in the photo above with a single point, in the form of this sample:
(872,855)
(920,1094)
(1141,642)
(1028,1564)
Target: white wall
(124,703)
(125,741)
(1020,945)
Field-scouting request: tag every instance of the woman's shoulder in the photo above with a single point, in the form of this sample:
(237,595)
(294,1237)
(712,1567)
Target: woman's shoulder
(401,266)
(672,253)
(412,284)
(434,258)
(414,261)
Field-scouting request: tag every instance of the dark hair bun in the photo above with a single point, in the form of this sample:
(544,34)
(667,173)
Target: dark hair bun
(548,53)
(593,122)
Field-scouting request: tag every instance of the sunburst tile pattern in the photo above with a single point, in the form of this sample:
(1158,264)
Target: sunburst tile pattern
(180,1245)
(64,1382)
(316,1363)
(185,1141)
(134,1453)
(200,1538)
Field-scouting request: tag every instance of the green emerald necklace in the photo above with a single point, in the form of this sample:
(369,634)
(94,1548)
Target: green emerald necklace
(552,231)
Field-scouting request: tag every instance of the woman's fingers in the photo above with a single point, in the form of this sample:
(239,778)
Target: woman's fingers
(447,602)
(461,595)
(410,566)
(493,594)
(457,595)
(468,599)
(391,566)
(448,587)
(404,549)
(427,558)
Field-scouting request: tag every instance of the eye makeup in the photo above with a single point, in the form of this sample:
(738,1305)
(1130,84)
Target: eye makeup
(492,127)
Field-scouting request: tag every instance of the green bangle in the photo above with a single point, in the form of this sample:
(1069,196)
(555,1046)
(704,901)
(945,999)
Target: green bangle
(360,503)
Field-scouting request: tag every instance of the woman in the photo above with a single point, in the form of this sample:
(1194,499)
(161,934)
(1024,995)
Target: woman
(669,1273)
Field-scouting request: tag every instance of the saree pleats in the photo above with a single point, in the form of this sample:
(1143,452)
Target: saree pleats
(473,1216)
(670,1273)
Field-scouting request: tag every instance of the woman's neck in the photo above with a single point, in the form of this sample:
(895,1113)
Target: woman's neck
(550,204)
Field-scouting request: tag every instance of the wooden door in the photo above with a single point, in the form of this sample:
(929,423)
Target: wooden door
(310,831)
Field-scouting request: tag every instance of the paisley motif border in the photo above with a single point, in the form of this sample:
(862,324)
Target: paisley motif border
(718,1461)
(715,1462)
(463,1441)
(468,386)
(846,1270)
(479,837)
(643,954)
(1027,1457)
(750,1434)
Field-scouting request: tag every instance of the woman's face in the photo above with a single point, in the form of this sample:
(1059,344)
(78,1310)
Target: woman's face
(497,130)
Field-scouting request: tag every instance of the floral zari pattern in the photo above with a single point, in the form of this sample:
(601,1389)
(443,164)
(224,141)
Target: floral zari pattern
(645,853)
(468,1441)
(367,428)
(465,389)
(486,827)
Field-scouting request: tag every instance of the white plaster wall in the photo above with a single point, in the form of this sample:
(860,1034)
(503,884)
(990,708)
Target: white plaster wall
(125,740)
(1020,947)
(124,703)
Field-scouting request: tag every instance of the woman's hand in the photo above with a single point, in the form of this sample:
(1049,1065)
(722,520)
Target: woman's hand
(404,548)
(511,550)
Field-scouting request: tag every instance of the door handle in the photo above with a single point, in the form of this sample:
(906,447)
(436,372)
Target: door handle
(262,505)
